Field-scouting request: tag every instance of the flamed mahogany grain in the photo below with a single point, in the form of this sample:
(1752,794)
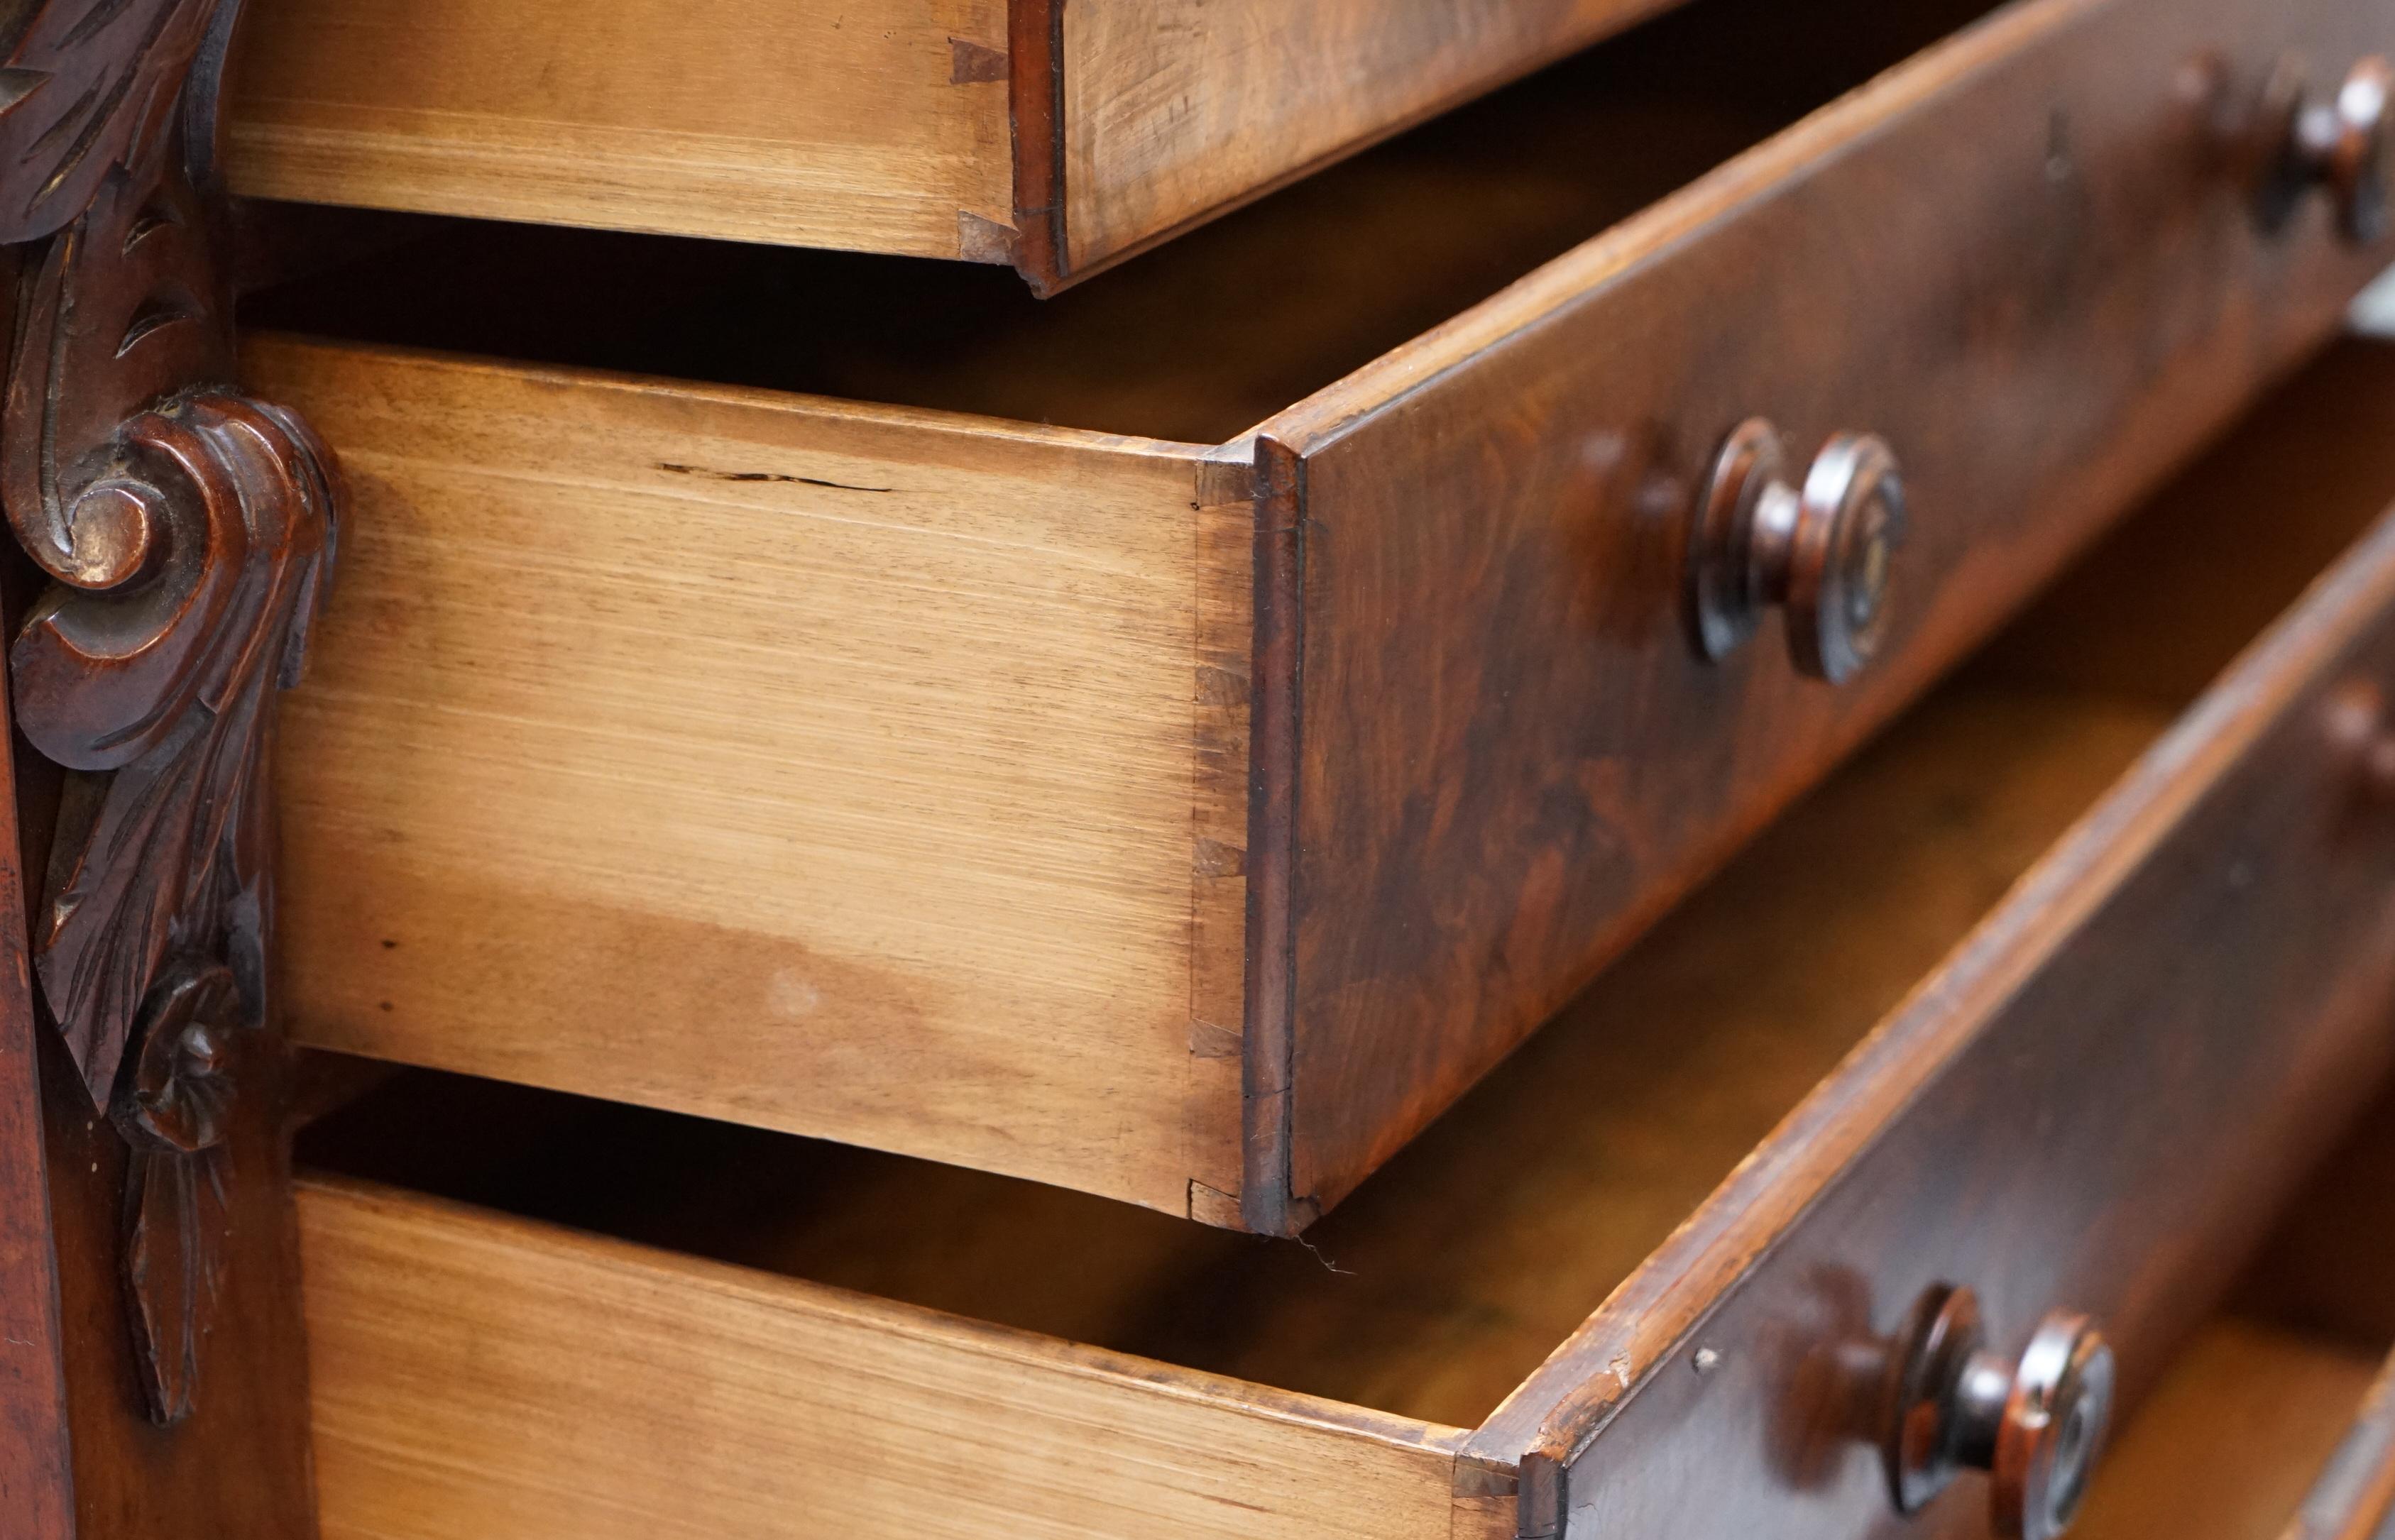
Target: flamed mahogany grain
(1994,1130)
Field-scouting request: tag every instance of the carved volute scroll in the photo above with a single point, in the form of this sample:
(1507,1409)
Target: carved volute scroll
(188,531)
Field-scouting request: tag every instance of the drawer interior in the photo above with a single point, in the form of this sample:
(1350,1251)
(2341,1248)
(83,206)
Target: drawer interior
(1198,341)
(1450,1276)
(2252,1412)
(2227,1446)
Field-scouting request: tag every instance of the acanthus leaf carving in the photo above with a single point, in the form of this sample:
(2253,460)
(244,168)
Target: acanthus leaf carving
(188,533)
(90,86)
(158,696)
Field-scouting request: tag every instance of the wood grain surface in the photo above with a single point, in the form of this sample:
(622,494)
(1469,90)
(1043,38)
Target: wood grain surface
(152,1362)
(806,764)
(2027,258)
(1502,760)
(1323,279)
(482,1378)
(867,125)
(242,1462)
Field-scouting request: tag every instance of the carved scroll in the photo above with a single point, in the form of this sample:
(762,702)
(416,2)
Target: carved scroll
(188,531)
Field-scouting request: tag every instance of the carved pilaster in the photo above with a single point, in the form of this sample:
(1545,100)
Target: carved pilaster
(187,532)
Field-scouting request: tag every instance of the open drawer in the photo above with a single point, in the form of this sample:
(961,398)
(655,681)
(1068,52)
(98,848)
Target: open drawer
(2158,1007)
(1189,817)
(1059,138)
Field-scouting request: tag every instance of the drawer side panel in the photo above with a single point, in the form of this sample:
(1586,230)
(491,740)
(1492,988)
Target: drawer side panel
(802,766)
(480,1378)
(867,125)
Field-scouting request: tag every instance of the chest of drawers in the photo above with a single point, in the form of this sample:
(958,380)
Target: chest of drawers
(1276,788)
(1548,714)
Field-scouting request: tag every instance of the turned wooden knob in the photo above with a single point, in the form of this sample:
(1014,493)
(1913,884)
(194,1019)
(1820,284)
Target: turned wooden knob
(2339,143)
(2035,1425)
(1821,550)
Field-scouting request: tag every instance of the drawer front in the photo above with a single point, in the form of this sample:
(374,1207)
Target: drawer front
(1488,749)
(2093,1106)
